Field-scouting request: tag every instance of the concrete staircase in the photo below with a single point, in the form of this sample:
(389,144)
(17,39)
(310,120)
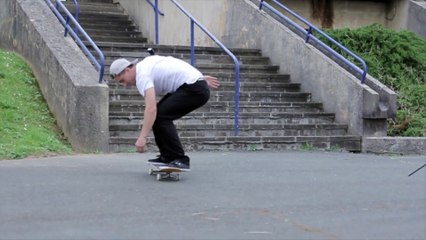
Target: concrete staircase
(274,113)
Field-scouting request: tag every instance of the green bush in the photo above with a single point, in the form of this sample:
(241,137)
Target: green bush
(398,60)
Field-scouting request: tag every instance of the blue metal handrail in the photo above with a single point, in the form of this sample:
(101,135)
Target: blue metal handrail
(309,35)
(236,62)
(99,64)
(77,14)
(155,7)
(157,11)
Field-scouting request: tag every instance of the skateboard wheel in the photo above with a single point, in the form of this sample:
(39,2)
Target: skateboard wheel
(158,176)
(150,171)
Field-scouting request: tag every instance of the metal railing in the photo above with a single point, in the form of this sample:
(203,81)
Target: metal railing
(157,11)
(236,62)
(77,16)
(99,64)
(308,31)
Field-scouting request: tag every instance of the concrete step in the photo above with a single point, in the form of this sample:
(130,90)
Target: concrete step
(136,108)
(110,56)
(113,32)
(127,39)
(346,142)
(230,68)
(250,130)
(106,23)
(94,1)
(103,21)
(266,96)
(162,50)
(230,77)
(167,50)
(116,17)
(86,6)
(245,86)
(125,25)
(104,12)
(227,118)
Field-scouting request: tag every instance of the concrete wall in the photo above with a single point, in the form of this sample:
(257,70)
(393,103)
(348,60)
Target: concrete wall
(395,145)
(417,17)
(66,78)
(347,14)
(354,14)
(174,26)
(397,14)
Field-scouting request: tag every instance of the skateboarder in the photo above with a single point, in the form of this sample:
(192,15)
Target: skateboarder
(184,88)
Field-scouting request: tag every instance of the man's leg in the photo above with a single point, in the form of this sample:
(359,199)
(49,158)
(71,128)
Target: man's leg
(173,106)
(156,127)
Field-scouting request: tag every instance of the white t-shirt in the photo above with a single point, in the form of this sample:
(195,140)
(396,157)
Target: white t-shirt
(165,74)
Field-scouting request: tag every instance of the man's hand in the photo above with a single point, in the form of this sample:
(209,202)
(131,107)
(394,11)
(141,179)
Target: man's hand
(140,144)
(212,82)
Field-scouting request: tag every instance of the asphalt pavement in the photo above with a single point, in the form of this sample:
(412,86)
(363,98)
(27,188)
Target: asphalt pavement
(227,195)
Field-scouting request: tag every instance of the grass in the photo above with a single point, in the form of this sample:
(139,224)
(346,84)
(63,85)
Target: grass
(27,127)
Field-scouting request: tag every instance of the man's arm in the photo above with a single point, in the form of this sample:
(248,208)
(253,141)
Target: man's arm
(150,115)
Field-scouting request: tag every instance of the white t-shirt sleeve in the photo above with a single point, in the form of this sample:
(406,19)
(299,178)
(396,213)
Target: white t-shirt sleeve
(145,83)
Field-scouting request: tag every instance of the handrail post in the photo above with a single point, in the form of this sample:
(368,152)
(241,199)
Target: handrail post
(261,5)
(156,13)
(192,43)
(77,14)
(308,33)
(66,24)
(157,38)
(102,69)
(237,102)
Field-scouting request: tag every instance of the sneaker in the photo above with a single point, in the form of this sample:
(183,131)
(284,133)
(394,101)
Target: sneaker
(159,161)
(182,163)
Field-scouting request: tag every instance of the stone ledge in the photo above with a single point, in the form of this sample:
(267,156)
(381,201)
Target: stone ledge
(395,145)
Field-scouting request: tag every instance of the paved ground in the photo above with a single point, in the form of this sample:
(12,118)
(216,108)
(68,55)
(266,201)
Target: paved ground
(229,195)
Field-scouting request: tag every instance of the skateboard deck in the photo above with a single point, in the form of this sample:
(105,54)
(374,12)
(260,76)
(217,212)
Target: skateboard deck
(164,172)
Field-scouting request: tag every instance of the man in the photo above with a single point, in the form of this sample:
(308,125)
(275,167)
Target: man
(184,88)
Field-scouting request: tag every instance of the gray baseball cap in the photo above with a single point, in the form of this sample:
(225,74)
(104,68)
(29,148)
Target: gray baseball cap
(119,65)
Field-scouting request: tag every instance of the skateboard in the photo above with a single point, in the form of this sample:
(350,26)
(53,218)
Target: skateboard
(164,172)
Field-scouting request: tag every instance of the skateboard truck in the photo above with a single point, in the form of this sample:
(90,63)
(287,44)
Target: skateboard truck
(165,175)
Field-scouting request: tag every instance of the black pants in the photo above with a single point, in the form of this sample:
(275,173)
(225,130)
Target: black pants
(173,106)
